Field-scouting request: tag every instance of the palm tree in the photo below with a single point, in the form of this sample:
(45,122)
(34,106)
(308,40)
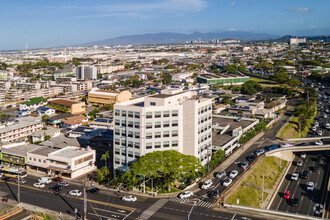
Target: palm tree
(105,158)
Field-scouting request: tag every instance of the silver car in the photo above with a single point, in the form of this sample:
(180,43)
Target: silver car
(221,174)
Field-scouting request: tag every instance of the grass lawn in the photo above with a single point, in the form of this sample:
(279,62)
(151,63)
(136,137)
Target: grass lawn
(292,129)
(265,82)
(249,191)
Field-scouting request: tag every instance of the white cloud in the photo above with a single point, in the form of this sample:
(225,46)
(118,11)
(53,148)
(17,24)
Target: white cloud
(145,10)
(233,3)
(298,10)
(232,29)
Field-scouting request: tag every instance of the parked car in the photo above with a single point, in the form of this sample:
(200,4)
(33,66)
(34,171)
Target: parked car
(287,195)
(286,145)
(310,186)
(316,168)
(295,201)
(250,157)
(304,174)
(39,185)
(320,133)
(214,194)
(227,182)
(295,176)
(272,147)
(301,144)
(221,174)
(300,162)
(303,155)
(233,174)
(93,190)
(316,124)
(75,192)
(207,184)
(45,179)
(314,128)
(57,179)
(327,126)
(259,152)
(244,165)
(325,116)
(186,194)
(129,198)
(56,187)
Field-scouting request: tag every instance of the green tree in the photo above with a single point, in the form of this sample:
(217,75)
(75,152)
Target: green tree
(167,78)
(103,175)
(105,157)
(44,118)
(251,87)
(47,137)
(281,77)
(294,82)
(226,100)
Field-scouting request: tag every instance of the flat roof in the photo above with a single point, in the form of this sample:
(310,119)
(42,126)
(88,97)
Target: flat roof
(70,152)
(21,123)
(222,76)
(64,102)
(44,151)
(20,150)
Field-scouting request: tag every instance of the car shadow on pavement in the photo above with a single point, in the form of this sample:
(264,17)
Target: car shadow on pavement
(11,191)
(73,209)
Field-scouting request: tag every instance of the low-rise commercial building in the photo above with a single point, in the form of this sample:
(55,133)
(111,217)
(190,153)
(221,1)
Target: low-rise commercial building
(224,78)
(106,97)
(64,105)
(39,136)
(74,122)
(33,103)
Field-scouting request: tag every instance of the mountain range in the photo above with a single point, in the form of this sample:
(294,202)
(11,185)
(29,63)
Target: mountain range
(169,37)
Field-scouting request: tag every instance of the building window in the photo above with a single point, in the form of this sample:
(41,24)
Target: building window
(158,135)
(117,151)
(117,161)
(137,114)
(117,141)
(149,115)
(137,134)
(149,136)
(166,134)
(123,133)
(174,143)
(175,123)
(137,145)
(130,114)
(152,103)
(166,144)
(158,125)
(130,134)
(34,159)
(123,113)
(175,113)
(148,145)
(130,153)
(123,143)
(158,145)
(137,124)
(30,158)
(137,155)
(158,114)
(117,112)
(174,133)
(123,123)
(166,124)
(44,161)
(123,152)
(149,125)
(39,160)
(130,124)
(117,132)
(166,114)
(130,144)
(117,122)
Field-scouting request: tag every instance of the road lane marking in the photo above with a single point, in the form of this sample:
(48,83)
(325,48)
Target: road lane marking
(233,217)
(104,210)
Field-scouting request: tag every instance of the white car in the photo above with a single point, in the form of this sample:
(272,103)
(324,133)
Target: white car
(327,126)
(39,185)
(129,198)
(259,152)
(319,133)
(316,124)
(310,186)
(227,182)
(295,176)
(314,128)
(233,174)
(319,143)
(286,145)
(300,162)
(75,192)
(221,174)
(303,155)
(64,184)
(325,116)
(186,194)
(207,184)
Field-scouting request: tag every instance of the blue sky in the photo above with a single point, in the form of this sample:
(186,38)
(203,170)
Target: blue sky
(67,22)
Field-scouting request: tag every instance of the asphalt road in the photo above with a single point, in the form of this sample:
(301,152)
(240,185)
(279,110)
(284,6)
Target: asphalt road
(307,199)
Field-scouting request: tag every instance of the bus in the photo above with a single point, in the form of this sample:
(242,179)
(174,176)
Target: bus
(13,172)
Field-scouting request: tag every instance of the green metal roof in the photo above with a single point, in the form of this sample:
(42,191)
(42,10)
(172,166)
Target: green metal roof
(36,100)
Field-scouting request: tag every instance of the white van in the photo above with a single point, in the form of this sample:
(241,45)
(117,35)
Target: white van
(45,179)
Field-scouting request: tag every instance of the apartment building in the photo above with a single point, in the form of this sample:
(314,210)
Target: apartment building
(50,92)
(66,87)
(86,72)
(2,98)
(33,103)
(107,97)
(60,59)
(84,85)
(28,86)
(172,120)
(5,85)
(22,128)
(109,69)
(65,80)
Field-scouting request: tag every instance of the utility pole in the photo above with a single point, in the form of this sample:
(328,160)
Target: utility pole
(152,186)
(85,203)
(263,182)
(18,190)
(144,184)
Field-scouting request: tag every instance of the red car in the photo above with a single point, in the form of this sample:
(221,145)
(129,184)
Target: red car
(57,179)
(287,195)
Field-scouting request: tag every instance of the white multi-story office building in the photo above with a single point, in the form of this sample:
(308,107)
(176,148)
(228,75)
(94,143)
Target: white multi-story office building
(86,72)
(173,120)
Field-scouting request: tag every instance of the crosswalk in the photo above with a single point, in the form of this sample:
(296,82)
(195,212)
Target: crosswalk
(199,202)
